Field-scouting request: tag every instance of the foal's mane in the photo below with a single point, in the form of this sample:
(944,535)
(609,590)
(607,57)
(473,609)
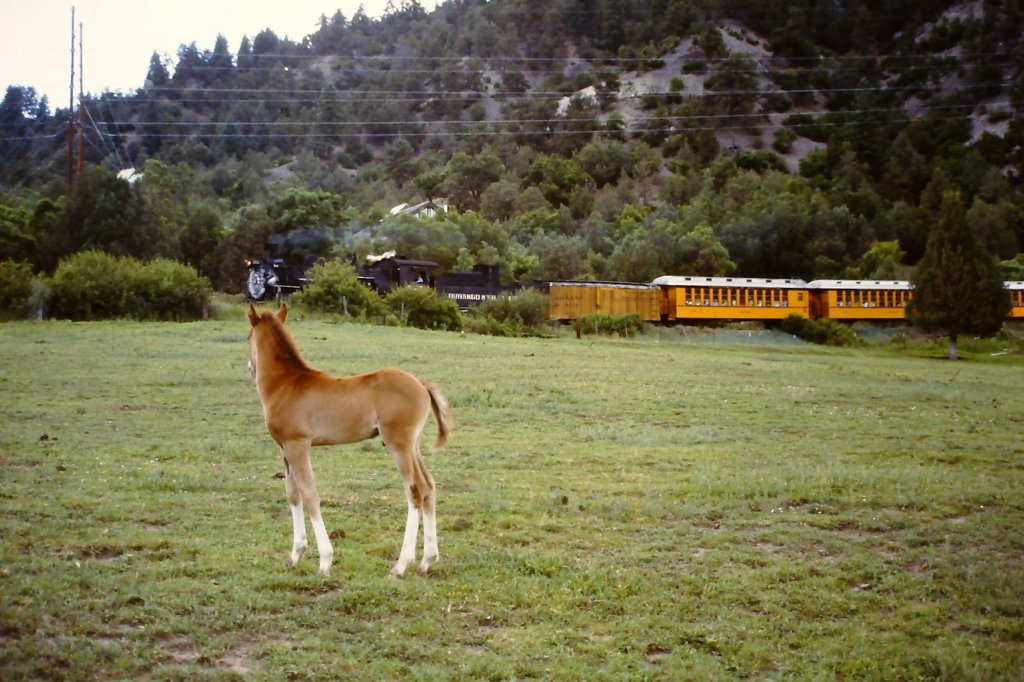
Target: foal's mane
(286,349)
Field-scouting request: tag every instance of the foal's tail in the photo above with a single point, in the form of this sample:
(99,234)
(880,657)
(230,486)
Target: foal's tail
(442,413)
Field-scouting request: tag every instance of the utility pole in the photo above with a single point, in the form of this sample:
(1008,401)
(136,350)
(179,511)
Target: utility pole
(81,102)
(71,108)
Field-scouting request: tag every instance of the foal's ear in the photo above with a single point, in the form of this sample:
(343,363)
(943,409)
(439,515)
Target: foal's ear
(282,312)
(253,316)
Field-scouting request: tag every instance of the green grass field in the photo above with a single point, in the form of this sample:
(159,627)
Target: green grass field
(608,509)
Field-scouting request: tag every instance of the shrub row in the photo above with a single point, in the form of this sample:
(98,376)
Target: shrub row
(522,314)
(823,332)
(335,288)
(15,288)
(93,285)
(611,325)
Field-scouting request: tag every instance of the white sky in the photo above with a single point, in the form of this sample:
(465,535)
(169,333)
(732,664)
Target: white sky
(120,36)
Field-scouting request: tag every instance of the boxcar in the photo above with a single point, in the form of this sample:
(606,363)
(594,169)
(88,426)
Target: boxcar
(847,299)
(570,300)
(731,298)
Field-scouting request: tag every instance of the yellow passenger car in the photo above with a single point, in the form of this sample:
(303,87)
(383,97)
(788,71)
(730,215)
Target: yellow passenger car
(1016,290)
(847,299)
(731,298)
(571,300)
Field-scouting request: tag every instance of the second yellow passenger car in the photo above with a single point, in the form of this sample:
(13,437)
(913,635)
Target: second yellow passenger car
(732,298)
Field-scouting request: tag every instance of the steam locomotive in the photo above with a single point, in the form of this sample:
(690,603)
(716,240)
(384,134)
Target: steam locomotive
(273,277)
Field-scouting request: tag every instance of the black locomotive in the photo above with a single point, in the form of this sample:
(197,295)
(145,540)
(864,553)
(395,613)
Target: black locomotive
(277,276)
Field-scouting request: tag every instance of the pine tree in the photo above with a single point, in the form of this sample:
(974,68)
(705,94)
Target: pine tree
(157,76)
(958,285)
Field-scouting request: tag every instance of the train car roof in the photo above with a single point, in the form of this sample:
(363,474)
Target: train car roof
(595,283)
(414,263)
(734,282)
(872,285)
(1014,285)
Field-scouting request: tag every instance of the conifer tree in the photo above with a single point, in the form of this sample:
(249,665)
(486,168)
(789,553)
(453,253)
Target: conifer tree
(157,75)
(958,285)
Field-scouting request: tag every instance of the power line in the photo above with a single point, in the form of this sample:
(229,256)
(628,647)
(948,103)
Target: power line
(395,96)
(535,121)
(597,59)
(550,94)
(940,63)
(546,131)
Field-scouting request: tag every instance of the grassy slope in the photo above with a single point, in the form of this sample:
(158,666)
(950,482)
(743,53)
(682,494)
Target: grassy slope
(607,508)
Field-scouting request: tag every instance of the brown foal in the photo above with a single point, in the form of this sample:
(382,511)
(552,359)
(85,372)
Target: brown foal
(304,407)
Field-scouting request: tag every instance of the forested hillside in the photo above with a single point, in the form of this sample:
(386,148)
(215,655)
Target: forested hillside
(607,139)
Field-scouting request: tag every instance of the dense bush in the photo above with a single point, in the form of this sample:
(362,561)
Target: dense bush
(522,314)
(90,285)
(611,325)
(166,290)
(421,307)
(94,285)
(15,288)
(783,142)
(335,287)
(823,332)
